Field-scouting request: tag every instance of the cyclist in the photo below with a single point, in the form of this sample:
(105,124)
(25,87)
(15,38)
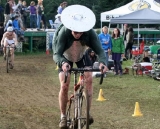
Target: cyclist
(9,38)
(69,44)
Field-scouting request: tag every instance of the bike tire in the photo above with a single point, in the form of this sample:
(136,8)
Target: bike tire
(83,121)
(7,60)
(71,117)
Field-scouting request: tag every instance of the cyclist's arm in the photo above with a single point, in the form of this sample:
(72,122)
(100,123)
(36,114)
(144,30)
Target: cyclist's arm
(59,44)
(97,47)
(15,38)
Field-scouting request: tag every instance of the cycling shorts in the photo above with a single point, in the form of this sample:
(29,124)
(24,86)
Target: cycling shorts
(84,62)
(9,41)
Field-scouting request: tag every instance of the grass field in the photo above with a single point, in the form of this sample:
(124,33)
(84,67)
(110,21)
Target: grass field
(29,97)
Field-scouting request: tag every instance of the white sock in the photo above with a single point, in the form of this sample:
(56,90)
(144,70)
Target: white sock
(62,115)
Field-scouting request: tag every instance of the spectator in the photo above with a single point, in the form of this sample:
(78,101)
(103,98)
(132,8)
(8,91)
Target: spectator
(129,39)
(41,10)
(117,50)
(1,13)
(7,11)
(61,7)
(57,22)
(43,19)
(13,8)
(33,18)
(18,7)
(24,12)
(106,41)
(1,30)
(125,33)
(91,56)
(9,23)
(18,30)
(65,5)
(39,13)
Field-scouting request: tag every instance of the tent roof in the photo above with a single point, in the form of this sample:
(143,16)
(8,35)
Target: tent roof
(119,11)
(129,8)
(144,16)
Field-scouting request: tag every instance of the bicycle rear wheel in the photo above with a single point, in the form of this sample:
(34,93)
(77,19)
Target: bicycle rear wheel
(83,121)
(7,59)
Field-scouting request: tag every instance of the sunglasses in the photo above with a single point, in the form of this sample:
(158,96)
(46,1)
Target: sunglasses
(77,32)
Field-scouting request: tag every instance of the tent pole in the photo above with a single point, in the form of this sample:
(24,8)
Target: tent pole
(101,26)
(117,25)
(109,27)
(122,29)
(138,36)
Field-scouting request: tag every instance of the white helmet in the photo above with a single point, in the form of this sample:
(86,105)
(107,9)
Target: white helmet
(9,29)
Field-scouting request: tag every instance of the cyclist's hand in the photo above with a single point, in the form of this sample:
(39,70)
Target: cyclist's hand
(66,67)
(105,67)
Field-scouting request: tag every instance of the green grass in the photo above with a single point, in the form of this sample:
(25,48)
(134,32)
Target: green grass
(121,95)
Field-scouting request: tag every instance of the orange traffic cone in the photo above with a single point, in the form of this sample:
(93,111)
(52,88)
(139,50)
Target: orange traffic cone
(101,96)
(56,68)
(137,111)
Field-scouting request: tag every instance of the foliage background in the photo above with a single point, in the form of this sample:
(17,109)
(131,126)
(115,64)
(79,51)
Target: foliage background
(97,6)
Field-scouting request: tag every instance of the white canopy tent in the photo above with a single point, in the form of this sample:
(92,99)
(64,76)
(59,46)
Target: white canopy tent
(144,16)
(129,8)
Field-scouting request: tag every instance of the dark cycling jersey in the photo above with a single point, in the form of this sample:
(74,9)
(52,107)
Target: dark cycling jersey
(63,40)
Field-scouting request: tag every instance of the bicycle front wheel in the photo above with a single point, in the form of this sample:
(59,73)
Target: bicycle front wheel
(83,121)
(71,114)
(7,59)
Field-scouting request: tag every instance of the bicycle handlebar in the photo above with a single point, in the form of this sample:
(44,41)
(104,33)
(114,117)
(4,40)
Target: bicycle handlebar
(79,70)
(8,46)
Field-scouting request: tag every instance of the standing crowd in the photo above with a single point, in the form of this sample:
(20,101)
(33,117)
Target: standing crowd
(21,10)
(117,45)
(61,7)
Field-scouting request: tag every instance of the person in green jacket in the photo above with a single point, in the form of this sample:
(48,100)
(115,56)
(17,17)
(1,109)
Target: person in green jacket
(117,50)
(69,45)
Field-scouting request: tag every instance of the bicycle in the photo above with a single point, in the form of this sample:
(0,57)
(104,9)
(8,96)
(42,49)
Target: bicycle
(78,104)
(8,58)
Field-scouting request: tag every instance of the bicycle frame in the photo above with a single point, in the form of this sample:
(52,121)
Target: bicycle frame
(78,121)
(78,89)
(8,56)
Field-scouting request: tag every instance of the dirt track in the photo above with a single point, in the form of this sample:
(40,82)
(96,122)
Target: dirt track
(27,95)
